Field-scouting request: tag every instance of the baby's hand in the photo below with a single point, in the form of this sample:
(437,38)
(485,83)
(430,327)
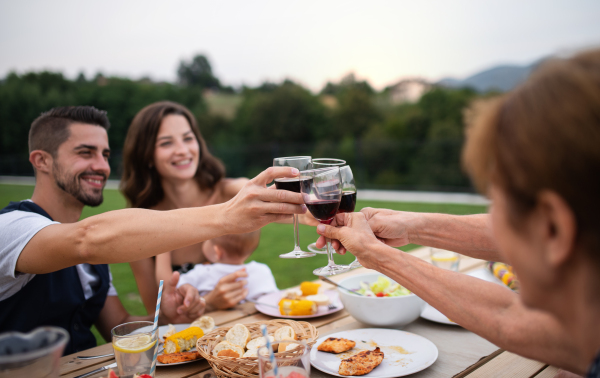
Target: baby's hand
(230,290)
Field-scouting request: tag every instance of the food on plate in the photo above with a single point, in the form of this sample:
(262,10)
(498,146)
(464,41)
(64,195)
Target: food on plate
(336,345)
(227,349)
(505,274)
(238,335)
(258,342)
(297,307)
(383,287)
(171,330)
(309,288)
(183,341)
(319,299)
(178,357)
(205,323)
(295,293)
(361,363)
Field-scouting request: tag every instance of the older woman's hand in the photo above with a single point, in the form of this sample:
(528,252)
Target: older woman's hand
(389,226)
(353,233)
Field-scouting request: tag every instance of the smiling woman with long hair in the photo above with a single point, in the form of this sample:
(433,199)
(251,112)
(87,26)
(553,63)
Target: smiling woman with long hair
(167,165)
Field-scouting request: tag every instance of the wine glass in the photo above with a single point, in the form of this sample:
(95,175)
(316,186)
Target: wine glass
(324,163)
(348,201)
(322,192)
(293,185)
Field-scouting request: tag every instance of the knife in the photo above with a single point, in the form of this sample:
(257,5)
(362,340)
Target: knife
(111,366)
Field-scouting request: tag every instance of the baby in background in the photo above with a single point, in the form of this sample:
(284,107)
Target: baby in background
(227,281)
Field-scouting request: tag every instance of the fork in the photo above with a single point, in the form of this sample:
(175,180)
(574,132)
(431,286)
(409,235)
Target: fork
(331,306)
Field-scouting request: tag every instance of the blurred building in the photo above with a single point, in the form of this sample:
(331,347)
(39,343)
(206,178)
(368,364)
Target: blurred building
(408,90)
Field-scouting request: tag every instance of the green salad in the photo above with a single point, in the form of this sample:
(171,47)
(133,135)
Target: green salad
(383,287)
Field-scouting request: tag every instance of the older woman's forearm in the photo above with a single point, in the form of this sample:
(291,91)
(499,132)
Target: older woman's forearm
(466,234)
(490,310)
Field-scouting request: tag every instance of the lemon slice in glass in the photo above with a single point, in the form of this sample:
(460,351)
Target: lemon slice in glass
(451,256)
(134,344)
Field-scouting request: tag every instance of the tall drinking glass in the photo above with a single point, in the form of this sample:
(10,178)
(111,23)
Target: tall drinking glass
(133,344)
(348,201)
(324,163)
(289,365)
(322,192)
(293,185)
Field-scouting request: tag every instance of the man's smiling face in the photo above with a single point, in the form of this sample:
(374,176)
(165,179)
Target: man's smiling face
(80,167)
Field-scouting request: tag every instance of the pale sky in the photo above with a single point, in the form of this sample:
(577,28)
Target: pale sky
(308,41)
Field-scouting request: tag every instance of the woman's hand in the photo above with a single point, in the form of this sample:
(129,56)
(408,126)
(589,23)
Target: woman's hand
(230,290)
(256,206)
(391,227)
(180,304)
(353,233)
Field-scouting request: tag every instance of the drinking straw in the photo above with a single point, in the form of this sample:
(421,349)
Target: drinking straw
(263,328)
(155,331)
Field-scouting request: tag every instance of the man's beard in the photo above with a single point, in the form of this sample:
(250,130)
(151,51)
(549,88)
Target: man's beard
(72,185)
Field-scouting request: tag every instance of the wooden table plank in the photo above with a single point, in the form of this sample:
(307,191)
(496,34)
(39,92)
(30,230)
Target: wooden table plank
(508,365)
(548,372)
(71,363)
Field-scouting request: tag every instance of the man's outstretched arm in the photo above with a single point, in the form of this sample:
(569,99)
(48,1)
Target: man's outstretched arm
(132,234)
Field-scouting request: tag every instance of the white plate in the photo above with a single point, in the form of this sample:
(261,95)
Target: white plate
(274,298)
(432,314)
(161,331)
(404,352)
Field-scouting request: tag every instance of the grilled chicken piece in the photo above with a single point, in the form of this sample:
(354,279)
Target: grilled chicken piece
(361,363)
(333,345)
(178,357)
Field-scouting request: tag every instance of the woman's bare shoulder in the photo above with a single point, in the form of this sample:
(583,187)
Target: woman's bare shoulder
(229,187)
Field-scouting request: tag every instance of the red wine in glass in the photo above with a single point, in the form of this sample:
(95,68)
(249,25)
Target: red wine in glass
(323,211)
(348,202)
(291,184)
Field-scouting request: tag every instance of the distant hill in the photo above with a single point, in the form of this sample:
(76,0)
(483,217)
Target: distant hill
(501,78)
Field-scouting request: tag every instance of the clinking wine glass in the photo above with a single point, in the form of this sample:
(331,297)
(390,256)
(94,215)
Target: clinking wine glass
(293,185)
(348,201)
(324,163)
(322,192)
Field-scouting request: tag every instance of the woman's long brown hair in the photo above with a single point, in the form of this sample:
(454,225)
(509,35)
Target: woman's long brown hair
(140,183)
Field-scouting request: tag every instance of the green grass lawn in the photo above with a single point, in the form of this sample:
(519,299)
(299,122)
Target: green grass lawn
(275,239)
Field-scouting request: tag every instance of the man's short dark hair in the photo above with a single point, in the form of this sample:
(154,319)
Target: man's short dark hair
(51,128)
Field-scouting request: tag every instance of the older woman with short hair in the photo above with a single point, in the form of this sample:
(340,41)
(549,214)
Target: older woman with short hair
(536,153)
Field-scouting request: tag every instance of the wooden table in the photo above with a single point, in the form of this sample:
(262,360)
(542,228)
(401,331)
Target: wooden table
(461,353)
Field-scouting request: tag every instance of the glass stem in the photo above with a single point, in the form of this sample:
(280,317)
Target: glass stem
(296,234)
(329,253)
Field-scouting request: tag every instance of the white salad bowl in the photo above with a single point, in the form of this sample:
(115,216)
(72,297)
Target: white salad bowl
(392,312)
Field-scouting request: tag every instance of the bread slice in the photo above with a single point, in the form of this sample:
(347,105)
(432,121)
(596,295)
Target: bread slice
(258,342)
(285,333)
(206,323)
(238,335)
(251,353)
(227,349)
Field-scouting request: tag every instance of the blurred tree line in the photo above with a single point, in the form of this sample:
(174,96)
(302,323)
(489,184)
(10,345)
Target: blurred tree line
(404,146)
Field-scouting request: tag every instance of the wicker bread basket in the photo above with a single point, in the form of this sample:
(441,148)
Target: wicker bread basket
(226,367)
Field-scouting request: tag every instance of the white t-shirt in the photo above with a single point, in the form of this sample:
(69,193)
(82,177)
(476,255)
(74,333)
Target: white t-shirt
(205,277)
(16,229)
